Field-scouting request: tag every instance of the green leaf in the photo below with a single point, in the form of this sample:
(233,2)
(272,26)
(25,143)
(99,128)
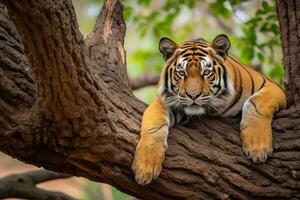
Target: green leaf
(191,4)
(260,56)
(252,36)
(274,28)
(144,2)
(265,5)
(127,12)
(277,73)
(247,54)
(254,21)
(218,9)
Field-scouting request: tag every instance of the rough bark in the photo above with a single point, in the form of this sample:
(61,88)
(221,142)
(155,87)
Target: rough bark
(79,115)
(288,13)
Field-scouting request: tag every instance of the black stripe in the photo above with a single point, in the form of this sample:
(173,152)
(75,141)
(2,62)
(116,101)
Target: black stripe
(170,77)
(185,59)
(166,77)
(154,129)
(184,51)
(274,83)
(218,85)
(187,54)
(239,94)
(252,82)
(203,51)
(244,67)
(239,114)
(219,88)
(288,101)
(199,54)
(263,83)
(235,101)
(201,45)
(254,105)
(224,77)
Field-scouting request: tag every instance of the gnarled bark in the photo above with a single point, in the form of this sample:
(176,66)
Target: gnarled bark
(79,116)
(289,20)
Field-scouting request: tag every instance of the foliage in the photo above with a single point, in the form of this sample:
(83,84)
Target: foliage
(255,39)
(92,191)
(251,25)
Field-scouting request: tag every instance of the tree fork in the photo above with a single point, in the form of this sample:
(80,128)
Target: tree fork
(79,115)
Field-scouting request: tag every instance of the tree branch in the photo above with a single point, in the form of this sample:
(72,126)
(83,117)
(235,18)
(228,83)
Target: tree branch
(17,90)
(143,81)
(56,54)
(89,123)
(24,186)
(107,40)
(13,60)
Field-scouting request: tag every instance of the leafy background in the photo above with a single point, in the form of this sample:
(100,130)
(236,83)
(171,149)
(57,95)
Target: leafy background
(252,27)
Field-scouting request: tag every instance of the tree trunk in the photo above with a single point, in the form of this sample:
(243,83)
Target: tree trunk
(79,115)
(289,19)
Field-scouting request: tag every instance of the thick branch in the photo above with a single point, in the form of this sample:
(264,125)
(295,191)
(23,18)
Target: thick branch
(24,186)
(107,41)
(19,85)
(56,54)
(17,91)
(143,81)
(90,126)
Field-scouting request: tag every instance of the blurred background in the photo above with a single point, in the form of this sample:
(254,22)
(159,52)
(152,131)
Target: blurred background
(252,27)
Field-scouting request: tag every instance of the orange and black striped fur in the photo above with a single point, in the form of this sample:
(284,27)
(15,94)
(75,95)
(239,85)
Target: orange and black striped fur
(202,79)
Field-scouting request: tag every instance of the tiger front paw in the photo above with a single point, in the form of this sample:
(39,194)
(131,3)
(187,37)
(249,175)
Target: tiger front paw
(147,162)
(257,145)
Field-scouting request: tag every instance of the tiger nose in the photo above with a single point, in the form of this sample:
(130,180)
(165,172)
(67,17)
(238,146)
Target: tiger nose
(193,95)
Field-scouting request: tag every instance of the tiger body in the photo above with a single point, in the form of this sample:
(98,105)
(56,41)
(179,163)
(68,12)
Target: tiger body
(202,79)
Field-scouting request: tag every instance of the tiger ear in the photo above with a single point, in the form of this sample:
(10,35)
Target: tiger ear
(221,44)
(167,47)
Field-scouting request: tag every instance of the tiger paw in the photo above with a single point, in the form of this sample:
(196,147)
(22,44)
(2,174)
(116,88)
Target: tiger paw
(257,145)
(147,162)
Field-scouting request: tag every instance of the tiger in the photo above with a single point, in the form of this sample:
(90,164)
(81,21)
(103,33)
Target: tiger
(201,78)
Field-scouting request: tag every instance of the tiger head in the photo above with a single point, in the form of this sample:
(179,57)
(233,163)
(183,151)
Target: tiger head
(194,80)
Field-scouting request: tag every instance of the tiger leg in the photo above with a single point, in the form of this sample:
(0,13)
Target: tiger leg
(256,130)
(150,151)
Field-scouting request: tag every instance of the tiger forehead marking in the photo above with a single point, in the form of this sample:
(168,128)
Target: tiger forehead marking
(195,80)
(193,50)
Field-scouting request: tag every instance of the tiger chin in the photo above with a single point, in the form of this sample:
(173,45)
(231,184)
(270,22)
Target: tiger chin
(201,78)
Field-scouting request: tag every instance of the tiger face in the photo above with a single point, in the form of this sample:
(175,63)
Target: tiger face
(195,80)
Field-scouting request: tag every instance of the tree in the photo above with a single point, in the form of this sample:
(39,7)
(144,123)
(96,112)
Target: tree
(66,104)
(24,186)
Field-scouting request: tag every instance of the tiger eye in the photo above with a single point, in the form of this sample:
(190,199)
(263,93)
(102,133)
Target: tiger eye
(181,73)
(206,72)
